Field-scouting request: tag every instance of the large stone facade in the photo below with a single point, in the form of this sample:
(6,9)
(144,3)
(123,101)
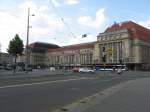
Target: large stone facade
(127,43)
(73,55)
(114,46)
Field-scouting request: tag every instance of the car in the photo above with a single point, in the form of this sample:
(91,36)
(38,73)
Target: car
(28,69)
(76,69)
(52,68)
(2,67)
(8,68)
(86,70)
(19,68)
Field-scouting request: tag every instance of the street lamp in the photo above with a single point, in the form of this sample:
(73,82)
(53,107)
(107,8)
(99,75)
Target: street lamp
(27,44)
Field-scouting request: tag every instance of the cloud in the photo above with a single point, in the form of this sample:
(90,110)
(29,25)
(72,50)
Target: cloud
(23,7)
(145,23)
(46,26)
(87,20)
(55,2)
(72,2)
(79,39)
(59,3)
(43,9)
(9,26)
(84,9)
(43,24)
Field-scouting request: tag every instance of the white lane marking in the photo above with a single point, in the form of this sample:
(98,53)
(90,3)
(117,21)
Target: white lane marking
(74,89)
(38,83)
(106,80)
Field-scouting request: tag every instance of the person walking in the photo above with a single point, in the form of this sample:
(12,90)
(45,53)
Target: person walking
(119,71)
(14,69)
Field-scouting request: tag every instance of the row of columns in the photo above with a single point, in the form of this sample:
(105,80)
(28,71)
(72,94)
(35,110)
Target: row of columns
(85,58)
(117,52)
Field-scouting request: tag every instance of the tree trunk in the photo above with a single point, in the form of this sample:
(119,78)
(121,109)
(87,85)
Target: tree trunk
(14,67)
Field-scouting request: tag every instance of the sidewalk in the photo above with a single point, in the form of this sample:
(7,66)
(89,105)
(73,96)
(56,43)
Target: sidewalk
(134,97)
(34,73)
(131,96)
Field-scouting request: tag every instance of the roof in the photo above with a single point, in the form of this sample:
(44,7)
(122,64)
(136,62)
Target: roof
(137,31)
(73,47)
(41,47)
(43,44)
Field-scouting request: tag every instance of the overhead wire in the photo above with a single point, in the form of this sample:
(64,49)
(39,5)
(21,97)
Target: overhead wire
(62,19)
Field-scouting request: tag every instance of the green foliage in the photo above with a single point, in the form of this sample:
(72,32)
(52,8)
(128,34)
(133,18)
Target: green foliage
(15,46)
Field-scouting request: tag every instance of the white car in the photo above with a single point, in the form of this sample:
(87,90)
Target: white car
(52,68)
(86,70)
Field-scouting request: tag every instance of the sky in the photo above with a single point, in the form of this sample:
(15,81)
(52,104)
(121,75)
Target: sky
(63,22)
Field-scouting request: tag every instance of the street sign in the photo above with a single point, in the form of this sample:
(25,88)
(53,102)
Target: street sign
(109,51)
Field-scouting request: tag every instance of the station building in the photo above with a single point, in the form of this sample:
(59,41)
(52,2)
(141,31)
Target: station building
(127,43)
(37,53)
(71,56)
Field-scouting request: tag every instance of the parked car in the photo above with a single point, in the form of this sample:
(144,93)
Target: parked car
(86,70)
(20,68)
(28,69)
(8,68)
(1,67)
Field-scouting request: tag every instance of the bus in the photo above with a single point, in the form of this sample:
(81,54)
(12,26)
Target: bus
(110,67)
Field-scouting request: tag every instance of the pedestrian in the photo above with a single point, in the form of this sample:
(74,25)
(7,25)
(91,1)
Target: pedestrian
(119,71)
(113,69)
(14,69)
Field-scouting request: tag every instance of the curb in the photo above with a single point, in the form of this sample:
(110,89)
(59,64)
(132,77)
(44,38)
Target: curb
(29,75)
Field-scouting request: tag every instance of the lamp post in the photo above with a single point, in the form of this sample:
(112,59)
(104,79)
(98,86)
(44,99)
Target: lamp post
(27,43)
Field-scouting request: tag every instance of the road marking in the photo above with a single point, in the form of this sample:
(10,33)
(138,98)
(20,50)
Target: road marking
(106,80)
(38,83)
(74,89)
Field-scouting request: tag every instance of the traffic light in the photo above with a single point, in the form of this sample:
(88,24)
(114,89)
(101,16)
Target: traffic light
(120,61)
(84,35)
(103,49)
(109,51)
(104,58)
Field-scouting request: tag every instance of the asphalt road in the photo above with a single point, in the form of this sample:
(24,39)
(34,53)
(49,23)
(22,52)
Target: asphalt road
(132,96)
(45,94)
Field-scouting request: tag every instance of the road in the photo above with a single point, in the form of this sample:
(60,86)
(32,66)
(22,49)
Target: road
(131,96)
(48,93)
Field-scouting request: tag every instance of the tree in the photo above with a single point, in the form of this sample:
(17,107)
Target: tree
(15,47)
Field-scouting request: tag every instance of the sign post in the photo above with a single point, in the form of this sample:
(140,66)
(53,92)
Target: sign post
(104,59)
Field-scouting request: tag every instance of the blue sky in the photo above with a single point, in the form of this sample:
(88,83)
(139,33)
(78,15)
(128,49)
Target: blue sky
(79,17)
